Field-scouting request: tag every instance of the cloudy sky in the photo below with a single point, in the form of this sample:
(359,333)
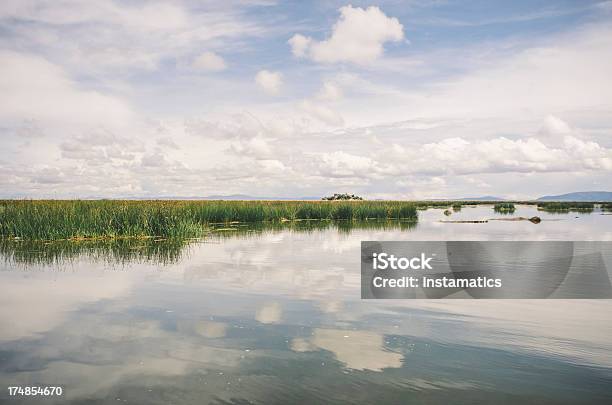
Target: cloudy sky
(398,99)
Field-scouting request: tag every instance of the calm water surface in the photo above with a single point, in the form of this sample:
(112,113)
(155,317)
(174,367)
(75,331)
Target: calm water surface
(273,315)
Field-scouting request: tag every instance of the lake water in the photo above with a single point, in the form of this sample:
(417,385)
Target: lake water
(274,315)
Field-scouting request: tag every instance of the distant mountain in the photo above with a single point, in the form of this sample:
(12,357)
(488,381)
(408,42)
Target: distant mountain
(483,198)
(580,196)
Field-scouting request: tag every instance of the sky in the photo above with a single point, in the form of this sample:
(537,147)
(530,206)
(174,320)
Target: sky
(393,99)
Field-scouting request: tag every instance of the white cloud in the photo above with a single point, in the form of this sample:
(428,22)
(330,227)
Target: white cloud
(257,147)
(99,147)
(272,166)
(299,45)
(30,128)
(76,123)
(154,160)
(148,17)
(342,164)
(322,112)
(167,142)
(358,37)
(567,75)
(109,37)
(497,155)
(209,61)
(270,82)
(322,105)
(555,126)
(33,88)
(330,92)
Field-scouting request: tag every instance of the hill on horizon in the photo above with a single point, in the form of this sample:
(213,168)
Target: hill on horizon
(580,196)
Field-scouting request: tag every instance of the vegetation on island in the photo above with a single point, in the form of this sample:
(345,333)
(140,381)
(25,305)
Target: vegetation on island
(504,208)
(342,197)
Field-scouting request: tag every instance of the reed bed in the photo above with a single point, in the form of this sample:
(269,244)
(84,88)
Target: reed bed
(504,208)
(84,219)
(168,251)
(566,206)
(110,251)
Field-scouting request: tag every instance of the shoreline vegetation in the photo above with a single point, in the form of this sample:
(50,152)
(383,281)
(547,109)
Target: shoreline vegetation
(80,220)
(504,208)
(168,250)
(118,219)
(567,206)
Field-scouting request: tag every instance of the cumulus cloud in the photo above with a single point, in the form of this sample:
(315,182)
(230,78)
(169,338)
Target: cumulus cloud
(154,160)
(36,89)
(99,147)
(257,147)
(400,161)
(270,82)
(322,112)
(322,106)
(272,166)
(48,175)
(209,61)
(358,37)
(75,123)
(330,91)
(167,142)
(497,155)
(299,45)
(246,135)
(342,164)
(555,126)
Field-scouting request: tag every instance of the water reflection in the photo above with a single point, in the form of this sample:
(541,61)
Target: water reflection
(358,350)
(273,315)
(122,251)
(167,251)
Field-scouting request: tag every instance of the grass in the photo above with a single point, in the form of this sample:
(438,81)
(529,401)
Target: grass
(111,251)
(504,208)
(112,219)
(167,251)
(565,206)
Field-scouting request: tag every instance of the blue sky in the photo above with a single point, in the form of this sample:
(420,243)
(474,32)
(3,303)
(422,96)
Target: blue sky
(397,99)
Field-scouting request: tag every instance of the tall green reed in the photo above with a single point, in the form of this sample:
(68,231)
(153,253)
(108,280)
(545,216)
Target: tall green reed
(85,219)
